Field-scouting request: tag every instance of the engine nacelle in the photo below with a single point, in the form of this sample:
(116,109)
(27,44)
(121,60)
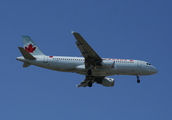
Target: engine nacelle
(109,64)
(108,82)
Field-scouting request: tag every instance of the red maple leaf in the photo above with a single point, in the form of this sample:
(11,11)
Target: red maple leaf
(30,48)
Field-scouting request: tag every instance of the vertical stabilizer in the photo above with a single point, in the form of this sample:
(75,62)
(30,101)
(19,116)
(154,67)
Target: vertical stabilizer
(30,46)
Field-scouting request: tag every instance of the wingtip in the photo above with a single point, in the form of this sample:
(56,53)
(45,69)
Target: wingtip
(72,31)
(25,36)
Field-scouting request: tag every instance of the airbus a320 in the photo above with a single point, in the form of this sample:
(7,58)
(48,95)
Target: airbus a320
(95,68)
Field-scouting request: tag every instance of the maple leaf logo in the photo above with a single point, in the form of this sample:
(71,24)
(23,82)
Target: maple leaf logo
(30,48)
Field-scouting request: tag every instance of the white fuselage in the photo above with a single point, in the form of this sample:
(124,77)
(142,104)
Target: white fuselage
(77,65)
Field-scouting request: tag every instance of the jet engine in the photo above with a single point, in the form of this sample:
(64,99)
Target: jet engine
(108,82)
(108,64)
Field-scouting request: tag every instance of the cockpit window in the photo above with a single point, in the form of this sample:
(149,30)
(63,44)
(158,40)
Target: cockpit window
(148,64)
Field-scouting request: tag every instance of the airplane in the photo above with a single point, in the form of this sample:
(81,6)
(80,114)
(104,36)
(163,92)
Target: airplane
(95,68)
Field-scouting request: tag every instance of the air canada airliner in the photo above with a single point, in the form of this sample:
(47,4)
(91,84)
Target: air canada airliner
(95,68)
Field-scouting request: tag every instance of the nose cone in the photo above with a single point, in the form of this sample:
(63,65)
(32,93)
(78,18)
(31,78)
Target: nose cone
(154,70)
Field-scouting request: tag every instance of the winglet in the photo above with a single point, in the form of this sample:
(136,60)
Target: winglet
(25,54)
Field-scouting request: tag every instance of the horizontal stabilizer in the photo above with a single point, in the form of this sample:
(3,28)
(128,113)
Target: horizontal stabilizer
(25,54)
(26,64)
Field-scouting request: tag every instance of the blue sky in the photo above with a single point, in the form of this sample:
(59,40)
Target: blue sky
(128,29)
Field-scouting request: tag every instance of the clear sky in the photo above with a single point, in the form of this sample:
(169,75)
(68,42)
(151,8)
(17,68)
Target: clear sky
(127,29)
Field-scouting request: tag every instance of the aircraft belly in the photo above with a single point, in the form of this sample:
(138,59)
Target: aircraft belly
(129,70)
(126,70)
(64,66)
(98,72)
(104,72)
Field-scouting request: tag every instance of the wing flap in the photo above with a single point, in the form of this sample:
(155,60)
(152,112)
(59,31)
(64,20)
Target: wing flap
(83,83)
(90,79)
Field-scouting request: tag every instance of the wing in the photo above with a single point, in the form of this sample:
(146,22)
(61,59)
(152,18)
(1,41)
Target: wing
(91,57)
(91,79)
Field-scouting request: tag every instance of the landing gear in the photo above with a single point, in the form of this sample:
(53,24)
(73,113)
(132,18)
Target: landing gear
(90,84)
(138,80)
(89,72)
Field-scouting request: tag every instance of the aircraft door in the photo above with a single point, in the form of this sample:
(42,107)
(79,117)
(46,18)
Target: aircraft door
(45,59)
(139,63)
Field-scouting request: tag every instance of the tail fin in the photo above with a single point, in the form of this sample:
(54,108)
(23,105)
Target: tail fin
(30,46)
